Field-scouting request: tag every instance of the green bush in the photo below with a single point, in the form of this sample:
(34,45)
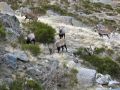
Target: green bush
(34,49)
(33,85)
(22,84)
(72,76)
(103,65)
(17,85)
(109,22)
(108,7)
(3,87)
(2,31)
(118,9)
(99,50)
(43,32)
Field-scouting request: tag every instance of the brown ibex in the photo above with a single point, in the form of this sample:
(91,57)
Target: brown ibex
(31,16)
(107,31)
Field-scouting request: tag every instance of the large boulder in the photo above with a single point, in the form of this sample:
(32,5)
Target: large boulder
(6,9)
(12,26)
(11,58)
(86,77)
(21,55)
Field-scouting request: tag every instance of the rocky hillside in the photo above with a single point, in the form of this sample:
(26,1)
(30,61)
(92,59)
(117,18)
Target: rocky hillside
(90,63)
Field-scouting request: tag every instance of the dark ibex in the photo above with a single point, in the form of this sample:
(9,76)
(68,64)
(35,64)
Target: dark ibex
(31,16)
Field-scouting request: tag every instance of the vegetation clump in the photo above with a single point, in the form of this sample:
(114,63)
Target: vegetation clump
(34,49)
(72,75)
(2,31)
(102,64)
(22,84)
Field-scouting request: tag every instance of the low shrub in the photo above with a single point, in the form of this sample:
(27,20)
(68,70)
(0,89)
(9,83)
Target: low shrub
(99,50)
(3,87)
(22,84)
(34,49)
(33,85)
(43,32)
(103,65)
(109,22)
(109,7)
(72,75)
(17,85)
(117,9)
(2,31)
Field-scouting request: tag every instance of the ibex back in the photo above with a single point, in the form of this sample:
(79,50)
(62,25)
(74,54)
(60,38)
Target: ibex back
(31,16)
(107,31)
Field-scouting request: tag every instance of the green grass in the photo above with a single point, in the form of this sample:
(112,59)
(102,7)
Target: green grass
(34,85)
(104,65)
(22,84)
(72,76)
(3,87)
(34,49)
(99,50)
(2,31)
(17,85)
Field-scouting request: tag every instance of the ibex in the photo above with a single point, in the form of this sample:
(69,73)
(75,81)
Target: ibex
(107,31)
(31,16)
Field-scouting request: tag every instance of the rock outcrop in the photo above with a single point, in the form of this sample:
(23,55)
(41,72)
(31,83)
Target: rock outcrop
(6,9)
(12,26)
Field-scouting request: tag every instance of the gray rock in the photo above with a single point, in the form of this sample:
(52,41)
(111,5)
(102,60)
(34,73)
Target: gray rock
(86,77)
(21,55)
(6,9)
(10,60)
(12,26)
(103,79)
